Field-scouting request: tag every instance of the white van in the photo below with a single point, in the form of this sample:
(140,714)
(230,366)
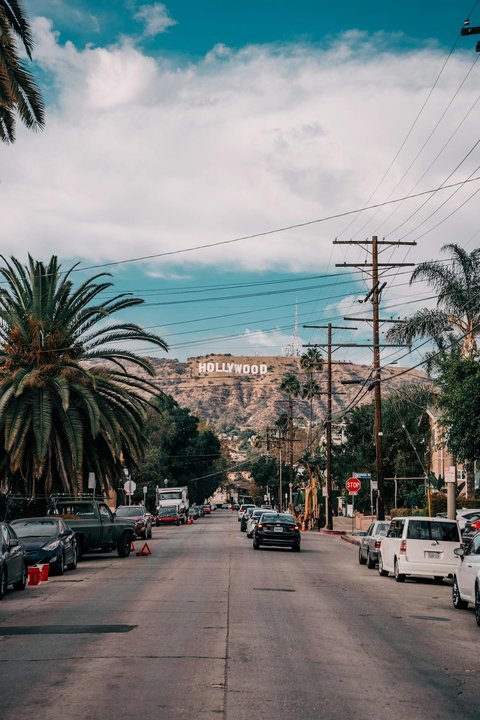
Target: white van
(421,547)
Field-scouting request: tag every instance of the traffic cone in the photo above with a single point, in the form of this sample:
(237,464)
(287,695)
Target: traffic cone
(304,526)
(144,551)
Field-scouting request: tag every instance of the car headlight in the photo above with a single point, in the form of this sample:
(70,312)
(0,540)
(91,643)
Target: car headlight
(52,545)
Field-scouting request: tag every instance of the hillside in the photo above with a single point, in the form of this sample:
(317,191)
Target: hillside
(242,392)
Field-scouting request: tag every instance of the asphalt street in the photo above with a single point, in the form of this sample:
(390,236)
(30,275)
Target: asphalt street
(206,627)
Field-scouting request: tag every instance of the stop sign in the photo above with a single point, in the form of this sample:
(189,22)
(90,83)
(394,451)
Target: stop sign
(353,485)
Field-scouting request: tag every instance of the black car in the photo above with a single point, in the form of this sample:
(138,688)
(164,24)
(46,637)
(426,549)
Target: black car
(47,540)
(13,564)
(277,529)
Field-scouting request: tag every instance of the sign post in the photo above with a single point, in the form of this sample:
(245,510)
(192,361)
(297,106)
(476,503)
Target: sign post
(353,485)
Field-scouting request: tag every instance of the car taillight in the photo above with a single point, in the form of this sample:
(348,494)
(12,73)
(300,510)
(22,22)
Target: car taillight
(378,544)
(403,547)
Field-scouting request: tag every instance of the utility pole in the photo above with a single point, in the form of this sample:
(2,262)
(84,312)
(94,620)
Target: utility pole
(375,294)
(328,423)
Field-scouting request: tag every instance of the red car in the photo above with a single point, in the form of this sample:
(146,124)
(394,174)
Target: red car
(143,521)
(167,516)
(207,509)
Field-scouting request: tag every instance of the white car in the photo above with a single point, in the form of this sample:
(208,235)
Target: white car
(466,579)
(242,510)
(421,547)
(255,516)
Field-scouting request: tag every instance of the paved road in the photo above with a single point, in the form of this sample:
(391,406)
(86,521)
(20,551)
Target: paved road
(206,628)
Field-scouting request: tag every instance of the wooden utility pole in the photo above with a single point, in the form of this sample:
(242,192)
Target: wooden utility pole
(375,294)
(328,422)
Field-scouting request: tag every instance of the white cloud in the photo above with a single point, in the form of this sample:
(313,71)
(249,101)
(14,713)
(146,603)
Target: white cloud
(143,156)
(259,339)
(156,18)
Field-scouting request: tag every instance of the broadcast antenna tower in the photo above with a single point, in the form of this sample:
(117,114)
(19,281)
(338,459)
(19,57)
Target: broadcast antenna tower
(294,349)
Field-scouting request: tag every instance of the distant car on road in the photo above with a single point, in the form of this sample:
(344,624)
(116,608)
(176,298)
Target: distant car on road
(254,517)
(242,510)
(370,543)
(245,517)
(472,526)
(47,540)
(13,561)
(276,529)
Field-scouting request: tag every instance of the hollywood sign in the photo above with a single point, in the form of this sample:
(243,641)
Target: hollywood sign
(233,368)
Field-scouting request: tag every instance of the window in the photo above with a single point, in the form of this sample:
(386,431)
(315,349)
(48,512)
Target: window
(105,512)
(431,530)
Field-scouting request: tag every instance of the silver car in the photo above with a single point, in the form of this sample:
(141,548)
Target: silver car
(370,543)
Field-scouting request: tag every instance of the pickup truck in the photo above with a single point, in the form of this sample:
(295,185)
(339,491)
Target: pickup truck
(96,527)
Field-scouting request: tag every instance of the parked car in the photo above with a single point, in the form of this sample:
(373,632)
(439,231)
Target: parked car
(255,516)
(370,543)
(194,512)
(47,540)
(421,547)
(243,509)
(207,510)
(472,526)
(466,514)
(244,520)
(276,529)
(466,579)
(168,516)
(13,561)
(142,519)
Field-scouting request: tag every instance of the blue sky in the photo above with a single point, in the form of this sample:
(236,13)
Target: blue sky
(183,124)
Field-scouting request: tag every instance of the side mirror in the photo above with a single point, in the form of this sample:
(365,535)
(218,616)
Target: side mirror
(459,552)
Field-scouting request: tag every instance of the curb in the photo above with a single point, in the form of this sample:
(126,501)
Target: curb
(350,539)
(332,532)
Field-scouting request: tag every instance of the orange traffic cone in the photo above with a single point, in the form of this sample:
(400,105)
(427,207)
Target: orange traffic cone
(304,526)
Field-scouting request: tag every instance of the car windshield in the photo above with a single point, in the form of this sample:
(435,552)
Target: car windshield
(37,528)
(129,511)
(174,495)
(428,530)
(382,529)
(167,510)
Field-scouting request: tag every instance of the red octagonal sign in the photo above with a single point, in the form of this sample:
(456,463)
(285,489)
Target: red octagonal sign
(353,485)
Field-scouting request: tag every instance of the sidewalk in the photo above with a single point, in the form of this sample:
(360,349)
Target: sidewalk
(343,526)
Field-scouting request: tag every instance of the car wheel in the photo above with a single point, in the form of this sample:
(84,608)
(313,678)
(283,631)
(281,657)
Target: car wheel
(457,601)
(177,523)
(477,605)
(79,549)
(73,564)
(124,545)
(3,583)
(59,566)
(370,561)
(399,577)
(381,571)
(21,583)
(361,559)
(256,545)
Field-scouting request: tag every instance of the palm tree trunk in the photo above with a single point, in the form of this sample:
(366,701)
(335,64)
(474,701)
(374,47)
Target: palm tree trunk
(470,479)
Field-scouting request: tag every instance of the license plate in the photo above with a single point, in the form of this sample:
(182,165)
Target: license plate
(278,529)
(432,555)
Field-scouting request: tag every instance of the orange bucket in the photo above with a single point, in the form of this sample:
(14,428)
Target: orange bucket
(33,575)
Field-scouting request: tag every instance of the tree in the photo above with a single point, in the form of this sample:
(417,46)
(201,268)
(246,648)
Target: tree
(457,315)
(19,94)
(70,401)
(311,362)
(181,451)
(459,401)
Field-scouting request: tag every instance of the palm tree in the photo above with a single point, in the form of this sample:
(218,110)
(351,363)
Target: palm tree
(19,93)
(456,319)
(457,315)
(70,402)
(311,362)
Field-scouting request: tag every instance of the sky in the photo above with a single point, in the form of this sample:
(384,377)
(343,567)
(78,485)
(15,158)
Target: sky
(176,131)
